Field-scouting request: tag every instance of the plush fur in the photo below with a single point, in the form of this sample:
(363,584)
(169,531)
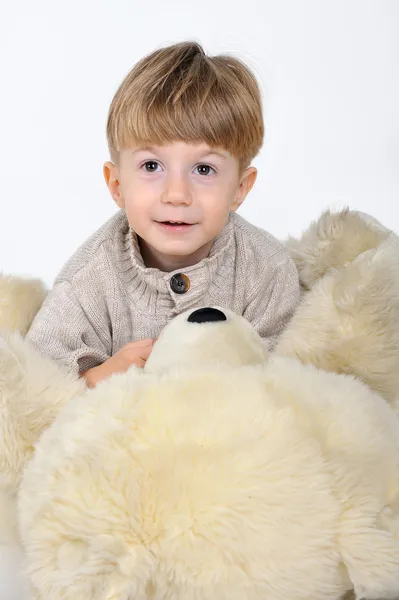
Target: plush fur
(33,389)
(20,299)
(333,241)
(349,321)
(208,480)
(13,583)
(218,471)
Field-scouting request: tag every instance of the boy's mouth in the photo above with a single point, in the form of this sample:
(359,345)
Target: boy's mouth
(175,223)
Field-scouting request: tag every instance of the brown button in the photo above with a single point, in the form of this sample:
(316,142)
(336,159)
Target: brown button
(180,283)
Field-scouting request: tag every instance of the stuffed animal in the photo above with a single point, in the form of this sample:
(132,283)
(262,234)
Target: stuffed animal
(215,472)
(218,471)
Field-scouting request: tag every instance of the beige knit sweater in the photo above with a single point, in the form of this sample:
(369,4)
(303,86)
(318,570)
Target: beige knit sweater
(105,296)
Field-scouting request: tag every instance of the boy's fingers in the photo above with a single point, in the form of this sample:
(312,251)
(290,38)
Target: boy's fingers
(139,352)
(140,343)
(145,352)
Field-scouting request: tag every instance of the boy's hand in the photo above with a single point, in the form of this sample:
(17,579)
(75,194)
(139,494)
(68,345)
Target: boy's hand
(134,353)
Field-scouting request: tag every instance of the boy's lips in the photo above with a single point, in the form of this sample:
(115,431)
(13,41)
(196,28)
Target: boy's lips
(175,226)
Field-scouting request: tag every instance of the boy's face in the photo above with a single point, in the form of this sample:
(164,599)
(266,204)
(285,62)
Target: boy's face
(177,198)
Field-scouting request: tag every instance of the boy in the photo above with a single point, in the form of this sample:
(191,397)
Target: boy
(182,130)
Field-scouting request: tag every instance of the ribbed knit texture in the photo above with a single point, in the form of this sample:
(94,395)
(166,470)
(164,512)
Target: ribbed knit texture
(105,296)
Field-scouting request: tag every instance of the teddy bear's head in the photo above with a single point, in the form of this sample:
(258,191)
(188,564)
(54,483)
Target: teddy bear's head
(206,336)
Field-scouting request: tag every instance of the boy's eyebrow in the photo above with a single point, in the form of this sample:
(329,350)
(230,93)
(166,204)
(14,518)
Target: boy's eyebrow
(143,149)
(205,153)
(216,153)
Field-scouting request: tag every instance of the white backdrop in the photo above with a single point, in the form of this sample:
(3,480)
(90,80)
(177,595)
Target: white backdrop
(329,72)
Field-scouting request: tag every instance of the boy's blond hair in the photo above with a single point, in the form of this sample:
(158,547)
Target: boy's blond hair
(180,93)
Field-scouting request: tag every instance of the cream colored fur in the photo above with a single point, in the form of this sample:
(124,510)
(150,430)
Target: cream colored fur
(33,389)
(333,241)
(349,322)
(12,577)
(274,480)
(20,299)
(219,472)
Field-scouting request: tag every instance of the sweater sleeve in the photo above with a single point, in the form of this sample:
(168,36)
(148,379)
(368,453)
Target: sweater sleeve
(63,330)
(273,301)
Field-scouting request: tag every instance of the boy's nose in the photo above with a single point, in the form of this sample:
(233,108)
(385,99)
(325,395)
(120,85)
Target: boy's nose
(177,191)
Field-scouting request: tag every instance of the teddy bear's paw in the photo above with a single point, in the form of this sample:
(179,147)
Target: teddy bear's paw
(372,560)
(102,568)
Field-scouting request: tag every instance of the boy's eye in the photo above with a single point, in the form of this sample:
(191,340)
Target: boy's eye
(205,169)
(151,165)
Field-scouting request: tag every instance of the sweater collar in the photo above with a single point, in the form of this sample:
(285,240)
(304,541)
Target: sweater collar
(138,275)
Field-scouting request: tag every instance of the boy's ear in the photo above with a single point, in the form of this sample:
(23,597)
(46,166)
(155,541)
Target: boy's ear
(111,176)
(246,184)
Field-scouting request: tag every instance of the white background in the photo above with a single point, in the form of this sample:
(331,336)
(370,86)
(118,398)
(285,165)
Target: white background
(329,73)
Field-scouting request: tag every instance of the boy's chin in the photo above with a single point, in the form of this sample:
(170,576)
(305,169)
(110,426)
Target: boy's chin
(178,250)
(179,255)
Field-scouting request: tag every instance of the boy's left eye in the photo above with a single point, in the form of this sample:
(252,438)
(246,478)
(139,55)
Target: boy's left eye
(151,166)
(205,169)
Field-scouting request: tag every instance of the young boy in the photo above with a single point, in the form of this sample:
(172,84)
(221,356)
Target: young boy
(182,130)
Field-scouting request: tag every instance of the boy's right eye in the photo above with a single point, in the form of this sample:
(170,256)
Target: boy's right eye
(151,166)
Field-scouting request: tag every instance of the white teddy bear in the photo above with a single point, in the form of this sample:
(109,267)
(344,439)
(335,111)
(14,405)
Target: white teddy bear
(215,472)
(218,471)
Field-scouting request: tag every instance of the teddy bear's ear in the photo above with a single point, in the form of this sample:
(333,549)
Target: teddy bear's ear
(332,241)
(20,300)
(349,322)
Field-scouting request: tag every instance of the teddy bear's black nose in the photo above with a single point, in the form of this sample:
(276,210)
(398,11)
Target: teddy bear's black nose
(206,315)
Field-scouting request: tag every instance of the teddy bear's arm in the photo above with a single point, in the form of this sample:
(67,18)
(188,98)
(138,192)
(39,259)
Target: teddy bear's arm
(33,390)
